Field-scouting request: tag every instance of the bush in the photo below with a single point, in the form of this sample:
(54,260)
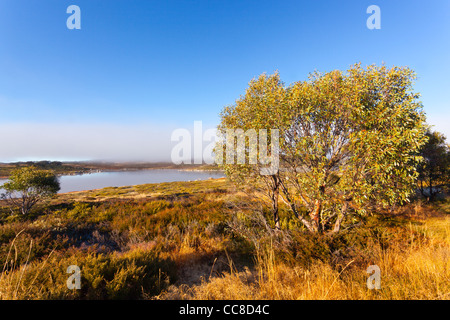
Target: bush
(103,276)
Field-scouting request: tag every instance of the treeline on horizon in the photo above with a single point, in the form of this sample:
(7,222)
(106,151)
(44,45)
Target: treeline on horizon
(70,167)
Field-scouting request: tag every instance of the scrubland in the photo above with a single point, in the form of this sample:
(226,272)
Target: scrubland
(205,240)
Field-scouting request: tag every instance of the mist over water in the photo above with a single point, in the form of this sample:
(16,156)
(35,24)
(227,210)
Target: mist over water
(100,180)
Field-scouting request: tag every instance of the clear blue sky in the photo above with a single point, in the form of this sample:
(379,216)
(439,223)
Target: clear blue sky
(146,67)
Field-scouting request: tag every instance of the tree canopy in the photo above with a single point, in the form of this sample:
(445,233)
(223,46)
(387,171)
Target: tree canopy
(28,185)
(434,171)
(348,141)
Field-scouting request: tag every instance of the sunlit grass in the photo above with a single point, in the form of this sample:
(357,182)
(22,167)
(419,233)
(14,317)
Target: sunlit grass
(203,240)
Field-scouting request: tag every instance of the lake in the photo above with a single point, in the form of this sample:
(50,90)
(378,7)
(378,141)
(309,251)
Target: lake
(100,180)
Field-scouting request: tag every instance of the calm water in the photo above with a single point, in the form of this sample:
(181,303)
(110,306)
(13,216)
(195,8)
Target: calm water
(129,178)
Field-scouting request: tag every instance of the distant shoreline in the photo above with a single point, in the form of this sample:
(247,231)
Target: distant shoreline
(136,169)
(80,168)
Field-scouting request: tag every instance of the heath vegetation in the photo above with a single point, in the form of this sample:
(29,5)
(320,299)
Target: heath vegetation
(212,241)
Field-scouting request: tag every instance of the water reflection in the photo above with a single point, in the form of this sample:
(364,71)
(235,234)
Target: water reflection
(128,178)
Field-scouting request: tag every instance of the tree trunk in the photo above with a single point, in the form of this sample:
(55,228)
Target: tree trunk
(315,216)
(23,208)
(288,200)
(340,218)
(430,187)
(275,196)
(421,188)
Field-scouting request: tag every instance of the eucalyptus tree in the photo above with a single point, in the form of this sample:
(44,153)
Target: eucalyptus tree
(27,186)
(348,141)
(434,171)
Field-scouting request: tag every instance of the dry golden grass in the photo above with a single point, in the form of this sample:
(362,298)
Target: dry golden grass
(420,272)
(204,240)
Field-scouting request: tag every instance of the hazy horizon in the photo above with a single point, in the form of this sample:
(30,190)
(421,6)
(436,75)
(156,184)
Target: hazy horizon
(136,71)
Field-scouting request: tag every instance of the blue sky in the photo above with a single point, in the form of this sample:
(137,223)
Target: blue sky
(138,69)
